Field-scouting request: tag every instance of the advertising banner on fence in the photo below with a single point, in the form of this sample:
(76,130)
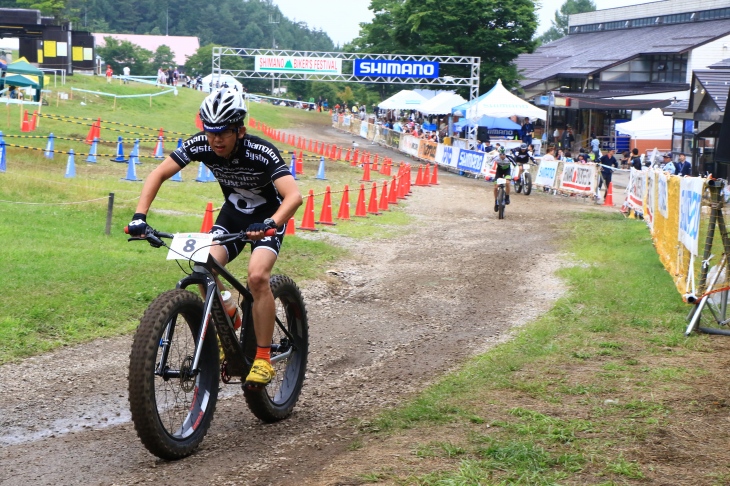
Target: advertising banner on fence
(578,178)
(364,130)
(427,150)
(690,203)
(650,198)
(346,121)
(662,194)
(409,145)
(489,169)
(635,190)
(546,173)
(396,69)
(445,155)
(470,160)
(299,65)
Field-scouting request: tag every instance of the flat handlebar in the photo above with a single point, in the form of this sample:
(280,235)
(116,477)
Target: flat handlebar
(153,237)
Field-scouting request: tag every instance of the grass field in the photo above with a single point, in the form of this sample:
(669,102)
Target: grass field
(575,398)
(66,281)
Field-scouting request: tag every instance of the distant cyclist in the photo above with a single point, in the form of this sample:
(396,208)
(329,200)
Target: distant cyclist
(522,156)
(504,169)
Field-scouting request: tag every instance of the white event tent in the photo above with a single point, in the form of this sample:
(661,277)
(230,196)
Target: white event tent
(441,104)
(403,100)
(499,103)
(653,125)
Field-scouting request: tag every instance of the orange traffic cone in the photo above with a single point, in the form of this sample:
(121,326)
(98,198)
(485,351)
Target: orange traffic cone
(207,219)
(355,157)
(92,133)
(198,121)
(290,227)
(97,129)
(310,145)
(393,196)
(373,204)
(325,217)
(609,195)
(360,207)
(25,126)
(299,164)
(366,172)
(34,120)
(419,176)
(347,155)
(375,163)
(308,219)
(344,212)
(434,175)
(426,175)
(383,204)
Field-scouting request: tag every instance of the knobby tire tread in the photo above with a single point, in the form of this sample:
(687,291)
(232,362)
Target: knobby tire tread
(141,389)
(258,400)
(528,184)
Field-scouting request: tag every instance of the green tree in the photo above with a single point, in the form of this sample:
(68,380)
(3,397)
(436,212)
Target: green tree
(119,54)
(163,57)
(346,95)
(559,27)
(202,62)
(47,7)
(497,31)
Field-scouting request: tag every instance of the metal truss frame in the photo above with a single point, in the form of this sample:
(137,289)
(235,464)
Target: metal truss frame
(472,81)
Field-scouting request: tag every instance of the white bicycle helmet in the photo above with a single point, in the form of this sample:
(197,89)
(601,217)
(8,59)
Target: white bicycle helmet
(221,109)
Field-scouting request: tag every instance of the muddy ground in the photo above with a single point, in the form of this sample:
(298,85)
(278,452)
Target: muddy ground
(383,325)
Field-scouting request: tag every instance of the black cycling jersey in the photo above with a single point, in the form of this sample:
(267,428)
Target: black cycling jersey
(522,158)
(247,179)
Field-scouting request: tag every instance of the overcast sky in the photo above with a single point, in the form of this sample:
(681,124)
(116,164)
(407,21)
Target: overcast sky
(341,18)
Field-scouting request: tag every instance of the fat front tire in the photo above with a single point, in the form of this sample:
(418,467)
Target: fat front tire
(277,400)
(500,203)
(518,186)
(528,184)
(172,405)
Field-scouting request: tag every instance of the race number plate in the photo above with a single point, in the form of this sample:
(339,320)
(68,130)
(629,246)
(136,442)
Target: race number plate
(190,246)
(501,181)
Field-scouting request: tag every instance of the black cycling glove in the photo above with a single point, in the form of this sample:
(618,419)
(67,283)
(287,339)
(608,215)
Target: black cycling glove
(266,225)
(138,226)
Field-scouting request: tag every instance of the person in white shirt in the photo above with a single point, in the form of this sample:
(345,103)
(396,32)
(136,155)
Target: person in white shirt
(126,72)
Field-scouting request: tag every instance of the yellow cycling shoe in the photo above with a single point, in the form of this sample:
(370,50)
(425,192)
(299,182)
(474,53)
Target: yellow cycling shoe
(261,373)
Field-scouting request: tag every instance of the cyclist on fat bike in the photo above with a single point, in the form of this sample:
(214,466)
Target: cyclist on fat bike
(260,194)
(522,156)
(504,168)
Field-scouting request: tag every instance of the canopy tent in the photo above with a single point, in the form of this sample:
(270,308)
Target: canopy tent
(441,104)
(22,66)
(490,122)
(499,103)
(403,100)
(653,125)
(222,78)
(22,81)
(21,73)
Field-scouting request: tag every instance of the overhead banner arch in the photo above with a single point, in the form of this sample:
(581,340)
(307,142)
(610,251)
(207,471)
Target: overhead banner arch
(349,67)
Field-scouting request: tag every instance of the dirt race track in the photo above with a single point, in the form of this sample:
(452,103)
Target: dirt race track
(383,325)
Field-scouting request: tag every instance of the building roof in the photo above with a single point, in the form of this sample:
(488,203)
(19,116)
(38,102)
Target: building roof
(580,55)
(181,46)
(716,83)
(724,64)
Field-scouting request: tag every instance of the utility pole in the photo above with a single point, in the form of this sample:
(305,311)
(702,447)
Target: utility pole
(273,20)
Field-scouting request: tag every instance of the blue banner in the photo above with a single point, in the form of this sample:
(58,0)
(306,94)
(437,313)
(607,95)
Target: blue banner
(396,69)
(470,160)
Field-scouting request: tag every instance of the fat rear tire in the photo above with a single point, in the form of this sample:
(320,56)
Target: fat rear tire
(277,400)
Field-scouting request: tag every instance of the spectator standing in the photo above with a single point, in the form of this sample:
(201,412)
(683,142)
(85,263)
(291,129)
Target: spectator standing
(126,72)
(528,130)
(109,74)
(635,159)
(567,139)
(684,168)
(595,148)
(608,162)
(668,165)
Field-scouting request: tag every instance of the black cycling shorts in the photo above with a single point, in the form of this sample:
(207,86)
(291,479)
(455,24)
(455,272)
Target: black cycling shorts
(231,221)
(503,171)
